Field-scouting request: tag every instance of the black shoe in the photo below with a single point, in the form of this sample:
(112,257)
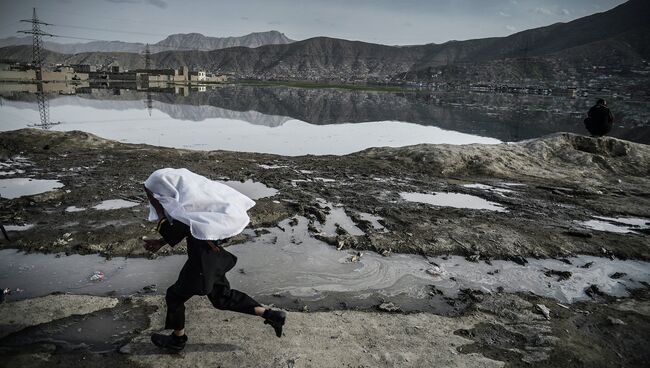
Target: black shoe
(171,342)
(275,319)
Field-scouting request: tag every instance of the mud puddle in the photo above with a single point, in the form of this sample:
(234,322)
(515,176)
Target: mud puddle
(111,204)
(288,267)
(252,189)
(19,187)
(620,225)
(455,200)
(99,332)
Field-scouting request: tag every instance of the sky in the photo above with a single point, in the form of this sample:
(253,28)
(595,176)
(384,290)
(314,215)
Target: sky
(390,22)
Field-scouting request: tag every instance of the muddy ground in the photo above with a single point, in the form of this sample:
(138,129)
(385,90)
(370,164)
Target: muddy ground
(566,178)
(562,180)
(498,330)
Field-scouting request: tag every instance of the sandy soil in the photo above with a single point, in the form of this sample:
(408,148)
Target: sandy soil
(498,330)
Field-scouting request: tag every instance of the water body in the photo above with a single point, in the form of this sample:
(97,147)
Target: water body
(288,264)
(296,121)
(456,200)
(19,187)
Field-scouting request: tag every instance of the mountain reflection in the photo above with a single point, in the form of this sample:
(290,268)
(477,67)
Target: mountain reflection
(505,117)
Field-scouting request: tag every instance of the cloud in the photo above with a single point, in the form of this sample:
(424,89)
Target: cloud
(511,28)
(504,14)
(552,11)
(162,4)
(544,11)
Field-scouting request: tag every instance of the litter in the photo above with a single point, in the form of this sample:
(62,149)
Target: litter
(97,276)
(6,291)
(389,307)
(544,311)
(356,258)
(3,293)
(435,271)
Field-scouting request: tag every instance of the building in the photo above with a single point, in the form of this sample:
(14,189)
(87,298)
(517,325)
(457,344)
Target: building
(18,72)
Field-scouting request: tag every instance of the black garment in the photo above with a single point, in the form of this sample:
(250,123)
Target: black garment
(599,120)
(204,273)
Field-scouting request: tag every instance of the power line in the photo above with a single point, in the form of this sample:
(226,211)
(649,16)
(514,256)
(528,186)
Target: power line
(138,22)
(108,30)
(37,34)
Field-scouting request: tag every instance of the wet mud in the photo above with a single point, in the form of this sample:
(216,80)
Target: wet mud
(546,190)
(540,207)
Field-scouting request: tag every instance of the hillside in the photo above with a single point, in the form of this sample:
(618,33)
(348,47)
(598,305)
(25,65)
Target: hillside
(617,37)
(190,41)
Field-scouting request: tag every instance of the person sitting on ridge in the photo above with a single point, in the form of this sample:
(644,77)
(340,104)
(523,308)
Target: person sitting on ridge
(205,212)
(599,119)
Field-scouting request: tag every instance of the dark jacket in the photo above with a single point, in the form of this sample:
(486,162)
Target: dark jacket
(599,120)
(205,266)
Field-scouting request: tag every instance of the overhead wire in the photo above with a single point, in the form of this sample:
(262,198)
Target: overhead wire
(139,22)
(171,48)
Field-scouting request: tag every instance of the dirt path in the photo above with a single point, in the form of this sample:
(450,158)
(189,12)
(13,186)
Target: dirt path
(498,330)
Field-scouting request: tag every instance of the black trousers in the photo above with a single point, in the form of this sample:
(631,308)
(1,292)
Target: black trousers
(222,297)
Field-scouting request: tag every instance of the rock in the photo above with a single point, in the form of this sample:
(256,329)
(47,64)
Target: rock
(125,349)
(150,288)
(587,265)
(473,258)
(617,275)
(578,233)
(544,311)
(561,275)
(389,307)
(616,321)
(518,260)
(593,292)
(435,271)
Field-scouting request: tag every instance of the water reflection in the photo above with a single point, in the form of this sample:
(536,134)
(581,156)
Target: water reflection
(459,117)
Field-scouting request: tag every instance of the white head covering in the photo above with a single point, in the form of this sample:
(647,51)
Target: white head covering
(212,210)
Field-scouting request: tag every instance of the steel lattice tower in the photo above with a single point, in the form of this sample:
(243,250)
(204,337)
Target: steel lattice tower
(37,42)
(147,58)
(37,64)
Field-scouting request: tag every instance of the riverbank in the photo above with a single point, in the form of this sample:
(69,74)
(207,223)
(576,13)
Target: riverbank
(549,197)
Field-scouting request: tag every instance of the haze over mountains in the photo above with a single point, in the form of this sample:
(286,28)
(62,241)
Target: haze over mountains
(619,37)
(180,41)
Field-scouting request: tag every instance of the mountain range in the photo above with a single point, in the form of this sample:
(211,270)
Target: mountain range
(180,41)
(618,38)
